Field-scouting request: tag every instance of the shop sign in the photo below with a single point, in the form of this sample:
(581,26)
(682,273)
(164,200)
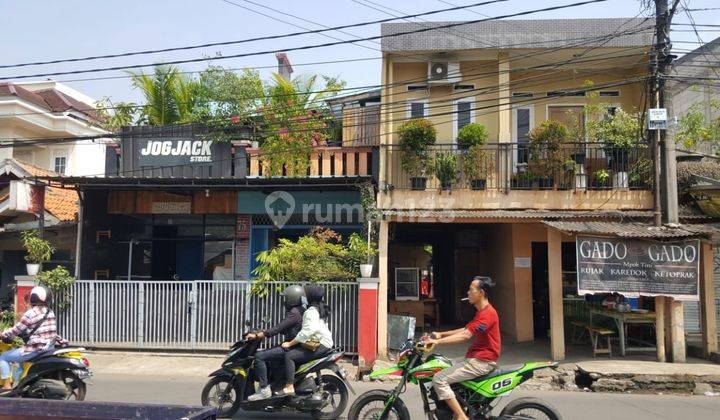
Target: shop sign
(160,207)
(154,152)
(635,267)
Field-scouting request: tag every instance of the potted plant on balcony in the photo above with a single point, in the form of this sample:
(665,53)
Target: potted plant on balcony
(476,161)
(38,250)
(416,137)
(601,178)
(618,133)
(446,169)
(546,149)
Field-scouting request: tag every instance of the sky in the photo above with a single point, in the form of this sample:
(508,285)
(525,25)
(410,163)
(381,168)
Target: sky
(38,30)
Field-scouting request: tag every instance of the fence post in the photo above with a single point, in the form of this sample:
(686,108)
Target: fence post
(193,314)
(141,314)
(91,312)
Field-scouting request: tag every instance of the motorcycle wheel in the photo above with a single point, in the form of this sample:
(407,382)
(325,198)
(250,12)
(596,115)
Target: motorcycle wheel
(213,394)
(76,387)
(531,408)
(369,405)
(338,398)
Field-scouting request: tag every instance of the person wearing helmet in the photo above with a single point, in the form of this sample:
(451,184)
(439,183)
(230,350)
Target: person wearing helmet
(37,328)
(289,327)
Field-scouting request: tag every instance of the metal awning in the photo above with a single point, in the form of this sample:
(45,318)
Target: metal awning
(444,215)
(635,230)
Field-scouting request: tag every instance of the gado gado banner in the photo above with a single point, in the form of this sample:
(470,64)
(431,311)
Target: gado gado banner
(155,152)
(634,267)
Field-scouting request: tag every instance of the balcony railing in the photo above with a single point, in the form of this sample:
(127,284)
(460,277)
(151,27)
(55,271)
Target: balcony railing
(324,162)
(517,166)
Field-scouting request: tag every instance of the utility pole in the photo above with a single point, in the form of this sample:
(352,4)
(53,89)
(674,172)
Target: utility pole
(666,204)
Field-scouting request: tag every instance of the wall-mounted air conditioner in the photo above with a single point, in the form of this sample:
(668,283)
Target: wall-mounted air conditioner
(444,72)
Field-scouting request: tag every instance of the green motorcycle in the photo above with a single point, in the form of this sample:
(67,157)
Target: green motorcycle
(477,397)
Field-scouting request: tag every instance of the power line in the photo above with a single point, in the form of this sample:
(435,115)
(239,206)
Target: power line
(307,47)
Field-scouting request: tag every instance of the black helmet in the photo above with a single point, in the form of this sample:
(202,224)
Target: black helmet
(40,295)
(292,296)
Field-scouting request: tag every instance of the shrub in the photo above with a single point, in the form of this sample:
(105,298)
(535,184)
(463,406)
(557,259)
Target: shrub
(446,168)
(477,163)
(416,136)
(546,151)
(58,280)
(38,250)
(620,131)
(472,135)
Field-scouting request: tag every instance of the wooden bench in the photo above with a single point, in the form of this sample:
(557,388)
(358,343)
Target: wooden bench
(579,329)
(596,335)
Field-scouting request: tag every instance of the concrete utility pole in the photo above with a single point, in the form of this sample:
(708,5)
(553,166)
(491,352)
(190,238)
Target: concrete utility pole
(666,203)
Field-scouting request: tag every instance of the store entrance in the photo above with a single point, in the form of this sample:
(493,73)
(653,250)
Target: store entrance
(540,290)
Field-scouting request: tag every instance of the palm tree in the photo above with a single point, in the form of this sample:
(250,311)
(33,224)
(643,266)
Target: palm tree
(170,96)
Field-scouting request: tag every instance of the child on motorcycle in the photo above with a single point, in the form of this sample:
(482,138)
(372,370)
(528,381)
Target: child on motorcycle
(482,355)
(38,329)
(289,327)
(313,340)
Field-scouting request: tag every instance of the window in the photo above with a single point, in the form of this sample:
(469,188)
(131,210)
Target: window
(407,284)
(522,127)
(416,109)
(464,114)
(610,93)
(412,88)
(464,87)
(60,164)
(565,93)
(522,95)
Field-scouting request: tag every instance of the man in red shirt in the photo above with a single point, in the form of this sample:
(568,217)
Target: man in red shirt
(483,353)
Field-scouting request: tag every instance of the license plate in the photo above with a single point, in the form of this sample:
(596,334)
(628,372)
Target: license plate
(82,374)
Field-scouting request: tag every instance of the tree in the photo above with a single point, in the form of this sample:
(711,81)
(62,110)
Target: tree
(695,128)
(116,114)
(226,93)
(170,96)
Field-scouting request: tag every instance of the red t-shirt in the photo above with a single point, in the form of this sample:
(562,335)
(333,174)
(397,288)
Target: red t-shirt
(485,328)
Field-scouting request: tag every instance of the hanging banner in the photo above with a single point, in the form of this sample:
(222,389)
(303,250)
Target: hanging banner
(634,267)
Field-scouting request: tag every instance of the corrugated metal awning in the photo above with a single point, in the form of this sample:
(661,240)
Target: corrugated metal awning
(634,230)
(513,214)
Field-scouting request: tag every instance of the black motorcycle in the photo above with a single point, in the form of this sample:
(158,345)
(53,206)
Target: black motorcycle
(322,395)
(55,374)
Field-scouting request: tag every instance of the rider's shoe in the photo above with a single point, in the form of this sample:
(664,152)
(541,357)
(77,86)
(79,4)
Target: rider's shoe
(262,394)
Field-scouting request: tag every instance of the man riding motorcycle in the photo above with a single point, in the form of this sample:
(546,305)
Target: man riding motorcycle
(482,355)
(289,327)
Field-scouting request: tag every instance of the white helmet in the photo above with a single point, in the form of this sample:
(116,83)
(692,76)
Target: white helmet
(39,295)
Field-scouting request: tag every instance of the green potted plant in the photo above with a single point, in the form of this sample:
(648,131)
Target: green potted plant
(58,280)
(38,250)
(523,180)
(618,133)
(546,148)
(476,161)
(416,137)
(446,169)
(601,178)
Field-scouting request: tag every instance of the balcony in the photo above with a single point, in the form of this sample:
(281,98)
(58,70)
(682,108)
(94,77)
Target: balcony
(578,176)
(325,162)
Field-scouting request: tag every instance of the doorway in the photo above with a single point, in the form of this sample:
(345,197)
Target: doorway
(540,291)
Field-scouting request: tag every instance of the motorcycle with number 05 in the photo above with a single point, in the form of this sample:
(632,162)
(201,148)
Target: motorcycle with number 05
(477,397)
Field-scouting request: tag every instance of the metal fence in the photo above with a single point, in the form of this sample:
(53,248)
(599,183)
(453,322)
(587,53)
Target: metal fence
(182,315)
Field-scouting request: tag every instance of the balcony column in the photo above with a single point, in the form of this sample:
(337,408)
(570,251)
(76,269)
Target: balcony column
(504,124)
(386,121)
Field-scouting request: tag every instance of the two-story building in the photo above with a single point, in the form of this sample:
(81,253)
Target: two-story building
(509,76)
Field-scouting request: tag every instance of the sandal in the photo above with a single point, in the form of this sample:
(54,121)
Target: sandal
(283,393)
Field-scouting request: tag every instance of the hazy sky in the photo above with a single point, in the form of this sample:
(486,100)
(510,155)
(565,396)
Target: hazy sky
(33,30)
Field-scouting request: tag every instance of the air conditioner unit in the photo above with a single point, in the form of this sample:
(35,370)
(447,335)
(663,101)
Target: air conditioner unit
(444,72)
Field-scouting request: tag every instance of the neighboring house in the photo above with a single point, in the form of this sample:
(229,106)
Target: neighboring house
(20,200)
(692,87)
(360,116)
(518,227)
(48,110)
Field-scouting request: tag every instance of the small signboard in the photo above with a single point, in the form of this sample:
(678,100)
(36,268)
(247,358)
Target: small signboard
(634,267)
(523,262)
(657,119)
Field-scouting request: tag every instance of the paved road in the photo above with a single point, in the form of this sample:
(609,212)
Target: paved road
(572,405)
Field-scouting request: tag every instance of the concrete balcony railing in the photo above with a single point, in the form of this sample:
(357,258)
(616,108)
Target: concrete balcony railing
(516,166)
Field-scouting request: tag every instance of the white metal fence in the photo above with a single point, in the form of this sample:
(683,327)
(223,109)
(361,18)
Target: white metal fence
(200,314)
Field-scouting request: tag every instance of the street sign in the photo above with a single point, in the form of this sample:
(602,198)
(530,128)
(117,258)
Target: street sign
(657,119)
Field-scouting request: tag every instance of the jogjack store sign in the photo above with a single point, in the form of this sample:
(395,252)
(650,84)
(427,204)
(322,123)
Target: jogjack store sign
(154,152)
(635,267)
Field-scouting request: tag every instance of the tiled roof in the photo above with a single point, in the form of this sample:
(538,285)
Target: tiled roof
(61,203)
(51,99)
(541,33)
(634,229)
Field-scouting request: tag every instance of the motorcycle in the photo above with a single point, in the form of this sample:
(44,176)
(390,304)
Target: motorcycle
(53,374)
(322,395)
(477,397)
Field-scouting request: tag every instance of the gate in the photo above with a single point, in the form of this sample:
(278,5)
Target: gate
(182,315)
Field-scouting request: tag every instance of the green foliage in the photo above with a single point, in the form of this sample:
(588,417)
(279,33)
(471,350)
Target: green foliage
(619,131)
(38,250)
(314,258)
(170,96)
(446,168)
(7,319)
(416,136)
(641,172)
(695,128)
(116,114)
(58,280)
(547,154)
(602,176)
(226,93)
(472,134)
(477,163)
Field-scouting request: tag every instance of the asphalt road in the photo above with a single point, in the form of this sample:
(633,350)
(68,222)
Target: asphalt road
(572,405)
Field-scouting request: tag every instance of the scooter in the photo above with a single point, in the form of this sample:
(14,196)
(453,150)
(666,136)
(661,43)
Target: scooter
(322,395)
(54,374)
